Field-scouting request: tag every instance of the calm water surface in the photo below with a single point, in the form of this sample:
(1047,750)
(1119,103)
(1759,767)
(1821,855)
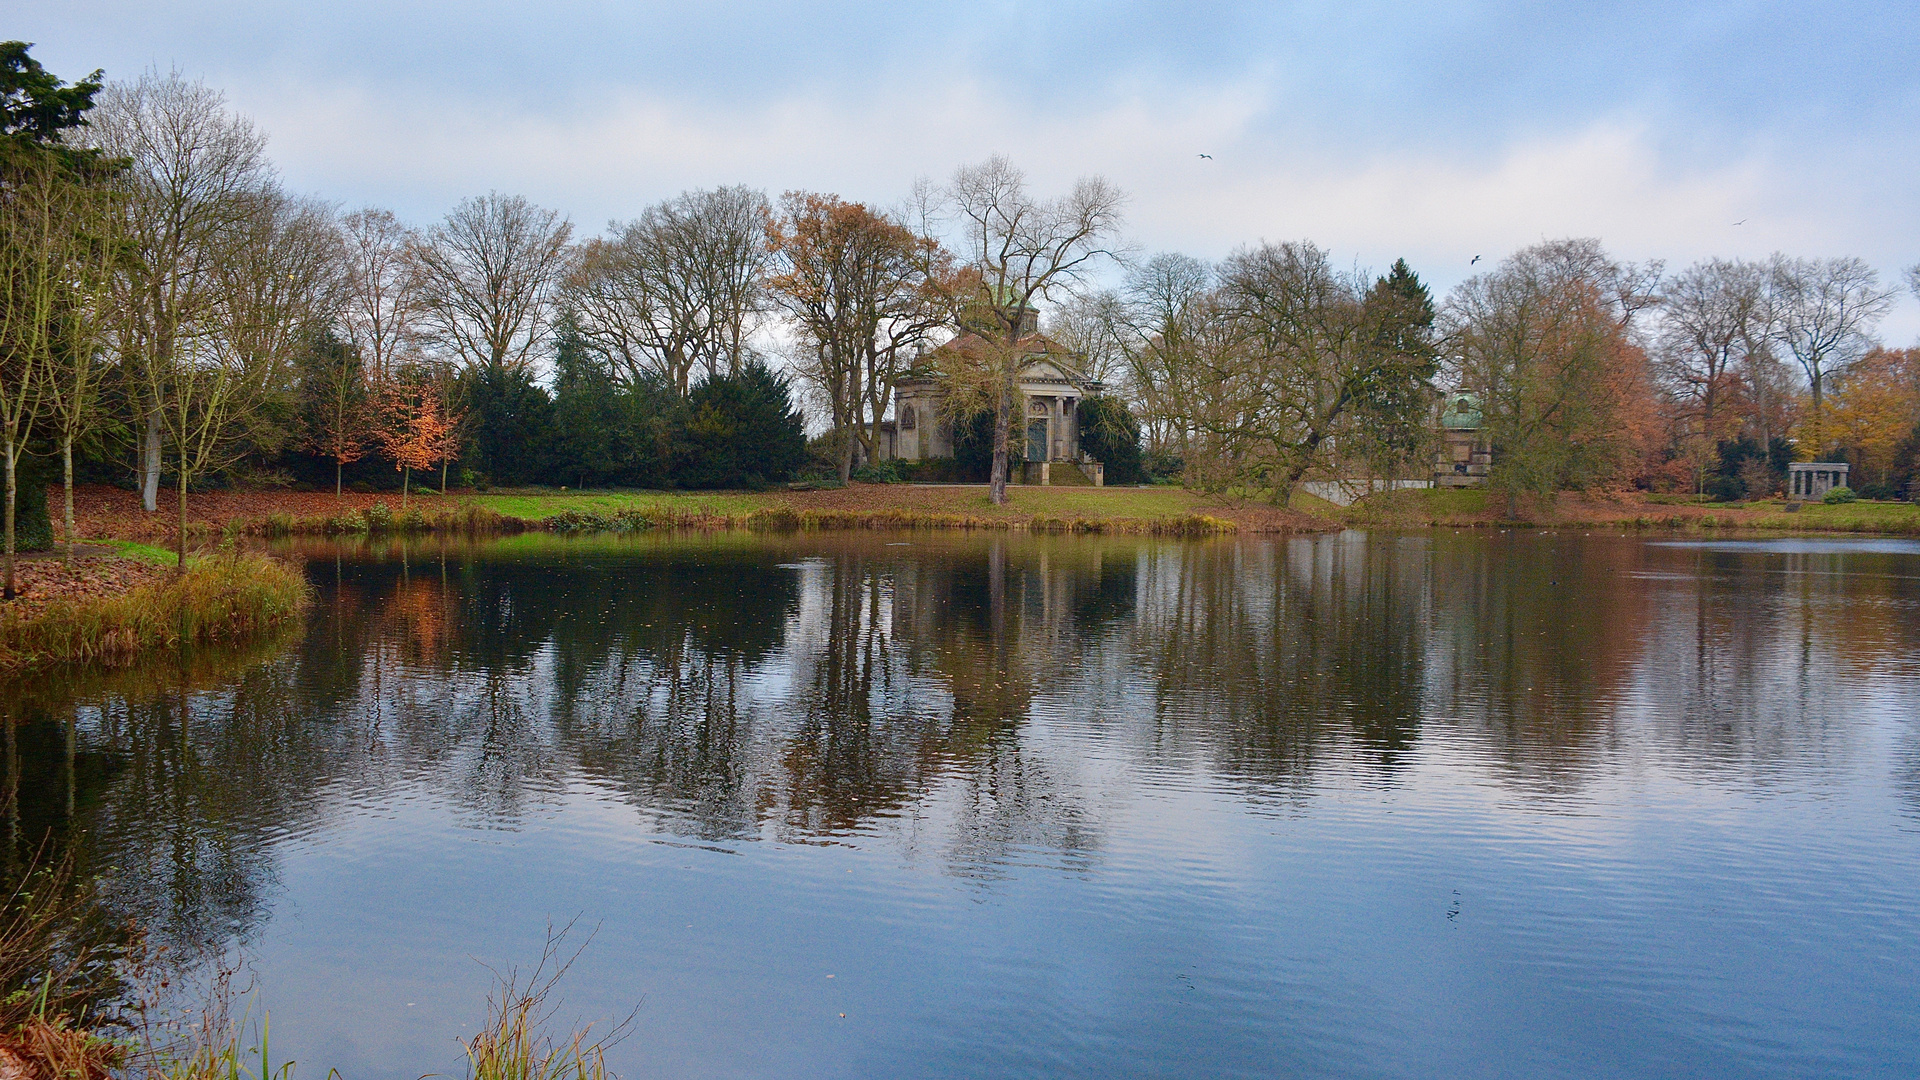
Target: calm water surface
(1389,805)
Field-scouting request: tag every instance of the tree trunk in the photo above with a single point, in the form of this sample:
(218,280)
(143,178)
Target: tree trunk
(13,491)
(66,510)
(150,484)
(997,479)
(336,479)
(406,474)
(181,547)
(1819,439)
(443,476)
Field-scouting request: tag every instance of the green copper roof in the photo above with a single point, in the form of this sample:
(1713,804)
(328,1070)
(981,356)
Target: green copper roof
(1462,413)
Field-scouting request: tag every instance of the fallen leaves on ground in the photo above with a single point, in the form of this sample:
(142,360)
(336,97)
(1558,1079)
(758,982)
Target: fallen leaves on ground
(44,581)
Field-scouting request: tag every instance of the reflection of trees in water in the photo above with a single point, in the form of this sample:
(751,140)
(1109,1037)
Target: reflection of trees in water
(168,784)
(1750,660)
(1268,657)
(814,687)
(1529,642)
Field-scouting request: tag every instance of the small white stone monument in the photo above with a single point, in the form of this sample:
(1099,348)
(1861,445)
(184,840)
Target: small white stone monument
(1813,479)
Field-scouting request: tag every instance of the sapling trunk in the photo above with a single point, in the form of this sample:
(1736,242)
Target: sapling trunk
(181,547)
(12,493)
(66,499)
(150,483)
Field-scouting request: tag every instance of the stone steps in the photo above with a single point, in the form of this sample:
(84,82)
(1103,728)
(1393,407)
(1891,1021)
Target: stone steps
(1068,474)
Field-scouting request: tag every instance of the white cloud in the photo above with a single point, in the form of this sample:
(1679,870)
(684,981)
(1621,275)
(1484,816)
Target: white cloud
(1609,179)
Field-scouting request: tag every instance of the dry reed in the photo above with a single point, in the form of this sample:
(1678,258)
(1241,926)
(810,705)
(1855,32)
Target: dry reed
(220,599)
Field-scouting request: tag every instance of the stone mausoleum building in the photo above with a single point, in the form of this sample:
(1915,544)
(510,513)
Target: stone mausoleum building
(1813,479)
(1465,455)
(1044,443)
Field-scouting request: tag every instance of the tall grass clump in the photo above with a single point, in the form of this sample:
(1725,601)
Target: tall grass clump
(517,1043)
(220,599)
(48,978)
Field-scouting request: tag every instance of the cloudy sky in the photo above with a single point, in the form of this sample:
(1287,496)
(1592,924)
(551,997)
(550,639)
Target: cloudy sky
(1436,131)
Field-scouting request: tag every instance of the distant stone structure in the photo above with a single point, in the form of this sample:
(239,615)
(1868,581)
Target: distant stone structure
(1813,479)
(1465,456)
(1044,444)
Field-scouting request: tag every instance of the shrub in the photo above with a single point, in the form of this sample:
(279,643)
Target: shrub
(1111,436)
(377,518)
(1162,467)
(881,472)
(930,471)
(32,531)
(1835,496)
(740,432)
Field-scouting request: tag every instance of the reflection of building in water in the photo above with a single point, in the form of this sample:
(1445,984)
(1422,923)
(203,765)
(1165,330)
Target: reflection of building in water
(1465,456)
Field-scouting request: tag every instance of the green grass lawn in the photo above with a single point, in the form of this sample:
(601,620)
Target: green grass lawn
(1022,501)
(133,549)
(1883,517)
(533,506)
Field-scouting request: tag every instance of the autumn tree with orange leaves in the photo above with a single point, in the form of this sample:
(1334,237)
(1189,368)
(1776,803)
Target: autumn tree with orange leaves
(417,430)
(1547,342)
(865,292)
(1875,407)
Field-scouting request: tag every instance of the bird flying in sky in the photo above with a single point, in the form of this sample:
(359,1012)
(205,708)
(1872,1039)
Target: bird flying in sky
(1473,260)
(1209,157)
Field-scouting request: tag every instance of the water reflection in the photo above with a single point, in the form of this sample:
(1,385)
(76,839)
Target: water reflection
(981,702)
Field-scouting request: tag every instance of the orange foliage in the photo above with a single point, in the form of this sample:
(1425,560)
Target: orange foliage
(417,432)
(1874,406)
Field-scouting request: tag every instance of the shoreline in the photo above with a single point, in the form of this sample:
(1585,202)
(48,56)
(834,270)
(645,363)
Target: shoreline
(112,611)
(114,514)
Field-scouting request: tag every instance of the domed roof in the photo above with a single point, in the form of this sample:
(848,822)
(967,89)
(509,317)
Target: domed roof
(1462,412)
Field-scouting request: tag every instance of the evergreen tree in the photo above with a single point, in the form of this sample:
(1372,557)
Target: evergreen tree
(1110,434)
(740,431)
(589,420)
(1394,392)
(973,447)
(36,109)
(512,438)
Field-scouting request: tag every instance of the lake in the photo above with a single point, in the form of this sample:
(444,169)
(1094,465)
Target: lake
(1464,804)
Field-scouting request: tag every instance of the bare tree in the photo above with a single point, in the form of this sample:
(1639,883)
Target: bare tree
(1094,327)
(1175,337)
(487,276)
(33,288)
(679,288)
(275,286)
(864,292)
(1714,313)
(379,309)
(1823,312)
(1022,250)
(193,170)
(87,249)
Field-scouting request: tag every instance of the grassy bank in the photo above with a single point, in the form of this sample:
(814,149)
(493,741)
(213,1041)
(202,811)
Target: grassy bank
(1139,511)
(221,599)
(1475,507)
